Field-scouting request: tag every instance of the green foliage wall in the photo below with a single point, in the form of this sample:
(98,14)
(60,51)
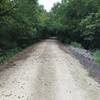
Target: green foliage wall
(20,22)
(77,20)
(23,22)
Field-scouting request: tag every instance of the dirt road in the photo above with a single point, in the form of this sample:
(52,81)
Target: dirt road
(48,74)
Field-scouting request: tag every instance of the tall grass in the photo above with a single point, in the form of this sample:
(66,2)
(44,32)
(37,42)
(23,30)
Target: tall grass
(76,45)
(96,55)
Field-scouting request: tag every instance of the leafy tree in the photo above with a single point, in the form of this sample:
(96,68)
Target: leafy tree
(77,20)
(18,23)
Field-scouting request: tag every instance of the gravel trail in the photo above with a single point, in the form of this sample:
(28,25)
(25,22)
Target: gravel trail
(48,74)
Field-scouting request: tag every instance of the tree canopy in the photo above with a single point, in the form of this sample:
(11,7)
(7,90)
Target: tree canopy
(19,21)
(77,20)
(23,22)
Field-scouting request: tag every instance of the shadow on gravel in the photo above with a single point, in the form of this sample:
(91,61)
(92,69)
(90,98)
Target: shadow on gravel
(89,64)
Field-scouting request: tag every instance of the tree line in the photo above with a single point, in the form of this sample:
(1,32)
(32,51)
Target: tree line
(78,21)
(19,23)
(23,22)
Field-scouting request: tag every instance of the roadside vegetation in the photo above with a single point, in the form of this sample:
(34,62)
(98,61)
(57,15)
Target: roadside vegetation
(77,45)
(96,55)
(77,22)
(24,22)
(21,24)
(7,54)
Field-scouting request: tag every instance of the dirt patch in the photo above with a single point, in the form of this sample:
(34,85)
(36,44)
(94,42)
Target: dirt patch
(48,73)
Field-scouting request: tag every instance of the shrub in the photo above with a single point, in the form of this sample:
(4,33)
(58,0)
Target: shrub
(96,55)
(6,55)
(75,44)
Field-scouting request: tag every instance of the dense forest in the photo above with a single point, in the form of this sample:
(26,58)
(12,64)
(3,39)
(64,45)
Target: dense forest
(20,22)
(24,22)
(77,20)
